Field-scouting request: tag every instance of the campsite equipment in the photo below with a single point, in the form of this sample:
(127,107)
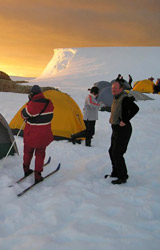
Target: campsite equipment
(6,139)
(138,95)
(24,177)
(102,84)
(12,145)
(35,183)
(144,86)
(67,119)
(106,96)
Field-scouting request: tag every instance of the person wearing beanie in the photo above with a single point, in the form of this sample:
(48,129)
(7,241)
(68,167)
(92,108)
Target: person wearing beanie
(37,114)
(90,115)
(33,91)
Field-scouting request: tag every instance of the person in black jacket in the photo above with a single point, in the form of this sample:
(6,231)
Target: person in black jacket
(122,110)
(130,80)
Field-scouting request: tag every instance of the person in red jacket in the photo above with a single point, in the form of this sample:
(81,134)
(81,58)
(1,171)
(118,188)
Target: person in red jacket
(38,114)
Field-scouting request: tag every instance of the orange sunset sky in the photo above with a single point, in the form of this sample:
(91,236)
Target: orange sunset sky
(30,30)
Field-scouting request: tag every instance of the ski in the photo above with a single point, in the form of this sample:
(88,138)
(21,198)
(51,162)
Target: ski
(24,177)
(46,163)
(34,184)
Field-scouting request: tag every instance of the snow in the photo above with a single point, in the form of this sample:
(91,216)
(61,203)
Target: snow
(84,66)
(77,208)
(60,61)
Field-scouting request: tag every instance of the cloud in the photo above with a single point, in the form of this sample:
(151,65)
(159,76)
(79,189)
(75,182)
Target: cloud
(83,21)
(31,30)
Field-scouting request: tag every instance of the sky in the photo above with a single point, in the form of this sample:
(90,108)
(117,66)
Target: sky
(31,30)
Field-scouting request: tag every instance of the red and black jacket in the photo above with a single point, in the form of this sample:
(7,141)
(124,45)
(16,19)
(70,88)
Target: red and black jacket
(38,114)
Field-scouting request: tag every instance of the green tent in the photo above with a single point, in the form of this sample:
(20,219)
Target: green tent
(6,139)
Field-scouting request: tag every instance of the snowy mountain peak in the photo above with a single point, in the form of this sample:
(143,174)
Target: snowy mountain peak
(60,61)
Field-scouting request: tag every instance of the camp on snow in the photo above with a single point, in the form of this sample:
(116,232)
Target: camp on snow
(67,119)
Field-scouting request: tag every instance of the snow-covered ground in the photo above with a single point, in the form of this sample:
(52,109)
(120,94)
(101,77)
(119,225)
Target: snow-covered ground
(77,208)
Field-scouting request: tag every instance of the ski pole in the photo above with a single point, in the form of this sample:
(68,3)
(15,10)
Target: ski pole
(12,145)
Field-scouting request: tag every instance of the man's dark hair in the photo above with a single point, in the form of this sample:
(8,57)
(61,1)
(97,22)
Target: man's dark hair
(121,82)
(94,90)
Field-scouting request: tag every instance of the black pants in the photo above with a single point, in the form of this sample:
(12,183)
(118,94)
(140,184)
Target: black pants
(156,89)
(88,133)
(90,128)
(119,142)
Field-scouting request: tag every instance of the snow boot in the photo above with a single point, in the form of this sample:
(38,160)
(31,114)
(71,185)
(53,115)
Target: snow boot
(38,177)
(119,181)
(27,173)
(74,140)
(78,135)
(127,176)
(88,142)
(27,170)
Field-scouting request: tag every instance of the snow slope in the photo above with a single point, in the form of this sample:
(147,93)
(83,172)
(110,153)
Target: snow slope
(84,66)
(77,208)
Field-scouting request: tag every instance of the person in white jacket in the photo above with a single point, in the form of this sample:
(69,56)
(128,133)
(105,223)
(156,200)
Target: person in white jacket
(90,115)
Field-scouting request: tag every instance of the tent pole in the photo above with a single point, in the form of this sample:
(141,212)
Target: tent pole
(12,145)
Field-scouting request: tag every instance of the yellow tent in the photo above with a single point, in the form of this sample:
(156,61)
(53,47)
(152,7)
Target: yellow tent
(67,120)
(144,86)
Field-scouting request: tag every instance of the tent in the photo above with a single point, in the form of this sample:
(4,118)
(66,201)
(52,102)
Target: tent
(102,84)
(106,97)
(138,95)
(67,120)
(6,139)
(144,86)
